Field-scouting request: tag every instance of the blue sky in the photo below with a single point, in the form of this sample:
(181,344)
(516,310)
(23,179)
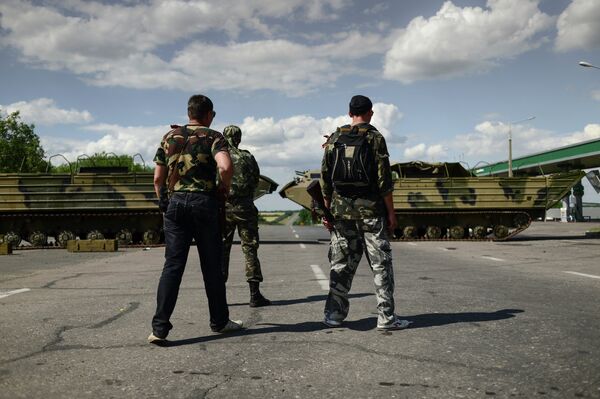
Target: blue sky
(446,77)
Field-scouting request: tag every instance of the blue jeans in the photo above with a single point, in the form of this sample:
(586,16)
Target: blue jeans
(191,215)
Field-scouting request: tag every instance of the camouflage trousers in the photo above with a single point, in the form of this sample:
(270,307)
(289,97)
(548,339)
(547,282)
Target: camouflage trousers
(348,242)
(243,215)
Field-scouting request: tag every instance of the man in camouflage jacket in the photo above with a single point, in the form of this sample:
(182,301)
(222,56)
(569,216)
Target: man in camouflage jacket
(243,215)
(364,216)
(187,162)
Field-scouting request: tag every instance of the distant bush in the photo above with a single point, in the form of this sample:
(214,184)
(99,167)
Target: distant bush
(304,218)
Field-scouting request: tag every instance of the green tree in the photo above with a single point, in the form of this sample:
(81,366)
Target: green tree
(20,149)
(104,159)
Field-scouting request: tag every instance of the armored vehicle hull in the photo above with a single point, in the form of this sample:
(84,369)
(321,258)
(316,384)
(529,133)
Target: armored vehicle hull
(444,201)
(90,205)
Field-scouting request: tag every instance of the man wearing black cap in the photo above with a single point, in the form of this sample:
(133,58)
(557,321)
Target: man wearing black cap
(357,186)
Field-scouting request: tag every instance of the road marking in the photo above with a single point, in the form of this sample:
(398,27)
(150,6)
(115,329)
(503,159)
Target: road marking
(302,246)
(293,231)
(414,244)
(443,249)
(296,235)
(4,294)
(583,274)
(492,258)
(321,277)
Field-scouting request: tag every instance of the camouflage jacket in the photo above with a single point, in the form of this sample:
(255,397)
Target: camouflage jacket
(195,162)
(246,174)
(367,206)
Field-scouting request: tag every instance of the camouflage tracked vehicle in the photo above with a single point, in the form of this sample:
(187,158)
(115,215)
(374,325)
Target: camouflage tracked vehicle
(97,202)
(445,201)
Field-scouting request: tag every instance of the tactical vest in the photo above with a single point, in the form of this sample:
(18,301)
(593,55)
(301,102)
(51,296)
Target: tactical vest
(352,161)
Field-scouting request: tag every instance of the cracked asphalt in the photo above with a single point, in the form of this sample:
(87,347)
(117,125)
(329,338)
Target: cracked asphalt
(513,319)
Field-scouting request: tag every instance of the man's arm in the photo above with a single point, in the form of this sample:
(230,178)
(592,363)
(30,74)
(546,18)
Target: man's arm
(388,199)
(225,169)
(160,178)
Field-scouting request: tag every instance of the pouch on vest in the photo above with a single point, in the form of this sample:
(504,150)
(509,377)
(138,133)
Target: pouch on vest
(352,171)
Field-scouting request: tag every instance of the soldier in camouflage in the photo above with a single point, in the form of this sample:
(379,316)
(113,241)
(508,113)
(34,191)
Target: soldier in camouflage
(243,215)
(360,200)
(187,163)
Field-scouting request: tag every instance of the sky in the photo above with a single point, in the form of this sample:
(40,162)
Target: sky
(448,79)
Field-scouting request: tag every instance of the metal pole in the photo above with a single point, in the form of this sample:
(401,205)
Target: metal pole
(510,172)
(510,169)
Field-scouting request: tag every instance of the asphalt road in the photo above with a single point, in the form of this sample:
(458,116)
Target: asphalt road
(513,319)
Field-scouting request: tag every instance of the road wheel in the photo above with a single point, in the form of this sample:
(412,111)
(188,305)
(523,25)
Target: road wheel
(124,237)
(63,237)
(14,239)
(95,235)
(500,231)
(409,232)
(151,237)
(456,232)
(479,232)
(433,232)
(38,239)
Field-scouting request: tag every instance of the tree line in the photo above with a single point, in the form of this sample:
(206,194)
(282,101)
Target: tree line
(22,152)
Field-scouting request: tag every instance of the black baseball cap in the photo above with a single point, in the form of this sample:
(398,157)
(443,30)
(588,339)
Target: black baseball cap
(360,105)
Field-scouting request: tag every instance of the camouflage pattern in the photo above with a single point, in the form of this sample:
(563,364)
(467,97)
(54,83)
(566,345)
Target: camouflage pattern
(371,205)
(240,210)
(246,172)
(445,195)
(119,203)
(243,215)
(348,242)
(195,162)
(115,203)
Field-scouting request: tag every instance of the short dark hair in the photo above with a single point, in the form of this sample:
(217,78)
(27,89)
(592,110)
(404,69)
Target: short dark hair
(360,105)
(199,106)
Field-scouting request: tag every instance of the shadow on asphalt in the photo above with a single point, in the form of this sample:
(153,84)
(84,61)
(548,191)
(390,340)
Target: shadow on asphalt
(521,238)
(312,298)
(366,324)
(440,319)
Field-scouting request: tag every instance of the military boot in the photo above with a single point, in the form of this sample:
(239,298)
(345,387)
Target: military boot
(256,298)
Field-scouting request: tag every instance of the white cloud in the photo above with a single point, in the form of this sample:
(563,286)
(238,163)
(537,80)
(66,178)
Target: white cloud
(489,141)
(595,95)
(120,140)
(287,144)
(457,41)
(279,65)
(120,45)
(578,26)
(423,152)
(589,132)
(415,152)
(43,111)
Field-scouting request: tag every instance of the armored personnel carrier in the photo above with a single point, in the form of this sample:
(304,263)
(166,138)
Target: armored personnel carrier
(445,201)
(94,203)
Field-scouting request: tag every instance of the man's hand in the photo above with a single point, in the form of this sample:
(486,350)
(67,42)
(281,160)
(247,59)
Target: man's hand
(327,225)
(163,199)
(392,223)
